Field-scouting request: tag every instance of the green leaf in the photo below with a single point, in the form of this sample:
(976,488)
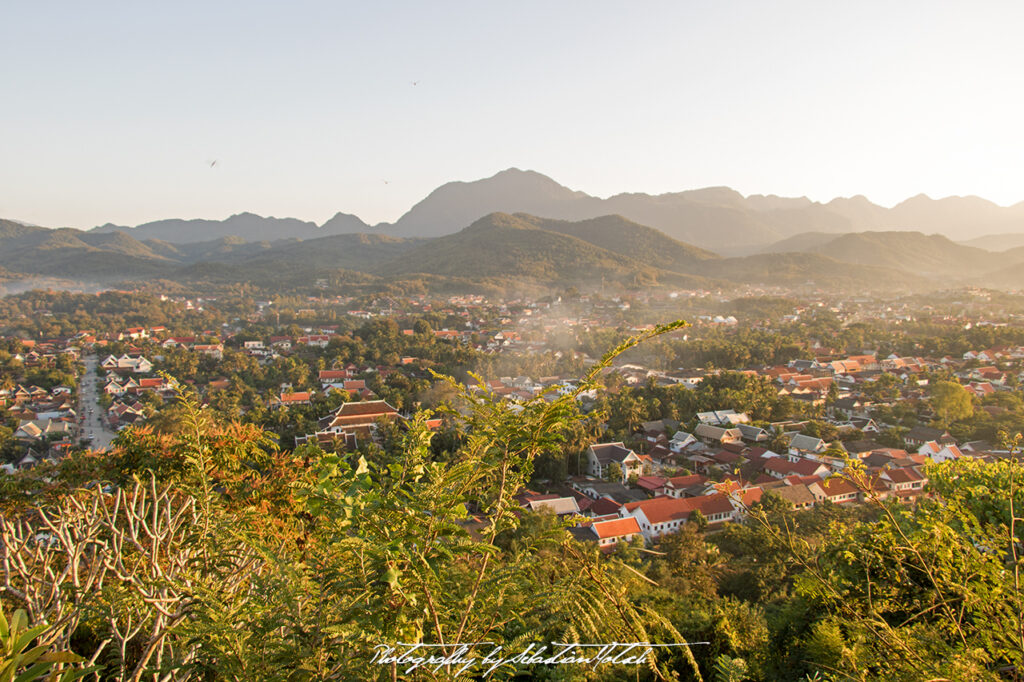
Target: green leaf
(60,657)
(391,576)
(31,655)
(34,673)
(20,621)
(78,673)
(29,635)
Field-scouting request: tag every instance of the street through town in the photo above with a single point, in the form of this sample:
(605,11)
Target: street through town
(89,408)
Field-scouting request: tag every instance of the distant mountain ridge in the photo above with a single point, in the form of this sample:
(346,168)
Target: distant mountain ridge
(248,226)
(709,218)
(609,249)
(997,242)
(502,247)
(929,255)
(714,218)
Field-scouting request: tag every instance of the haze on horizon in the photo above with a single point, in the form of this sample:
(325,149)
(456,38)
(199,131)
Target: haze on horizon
(116,112)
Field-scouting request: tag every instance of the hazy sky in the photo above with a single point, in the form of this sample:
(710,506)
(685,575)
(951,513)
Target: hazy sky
(114,111)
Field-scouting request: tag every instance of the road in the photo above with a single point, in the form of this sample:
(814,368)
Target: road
(89,407)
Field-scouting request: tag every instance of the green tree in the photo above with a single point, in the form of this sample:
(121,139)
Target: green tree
(614,473)
(698,520)
(886,387)
(951,402)
(822,430)
(892,438)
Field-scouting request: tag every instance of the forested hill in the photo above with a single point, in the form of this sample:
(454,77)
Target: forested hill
(627,238)
(505,249)
(505,245)
(932,255)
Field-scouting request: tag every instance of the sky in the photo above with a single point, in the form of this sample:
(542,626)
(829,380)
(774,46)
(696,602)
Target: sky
(127,112)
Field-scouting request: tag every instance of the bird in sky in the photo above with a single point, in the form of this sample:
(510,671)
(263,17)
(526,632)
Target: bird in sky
(213,163)
(415,82)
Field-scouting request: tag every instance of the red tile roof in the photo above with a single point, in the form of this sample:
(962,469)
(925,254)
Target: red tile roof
(662,509)
(686,481)
(904,475)
(604,506)
(749,496)
(616,528)
(366,408)
(650,482)
(838,486)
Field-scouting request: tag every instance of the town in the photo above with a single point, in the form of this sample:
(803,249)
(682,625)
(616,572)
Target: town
(759,396)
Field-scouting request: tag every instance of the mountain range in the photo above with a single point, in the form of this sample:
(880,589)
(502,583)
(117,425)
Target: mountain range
(523,226)
(502,248)
(719,219)
(932,256)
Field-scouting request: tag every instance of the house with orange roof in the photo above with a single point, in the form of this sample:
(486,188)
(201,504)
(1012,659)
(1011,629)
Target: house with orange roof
(684,486)
(835,490)
(906,483)
(296,398)
(940,453)
(665,515)
(781,467)
(608,533)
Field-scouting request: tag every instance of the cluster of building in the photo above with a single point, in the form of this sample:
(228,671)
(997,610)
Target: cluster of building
(725,471)
(351,423)
(48,423)
(124,384)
